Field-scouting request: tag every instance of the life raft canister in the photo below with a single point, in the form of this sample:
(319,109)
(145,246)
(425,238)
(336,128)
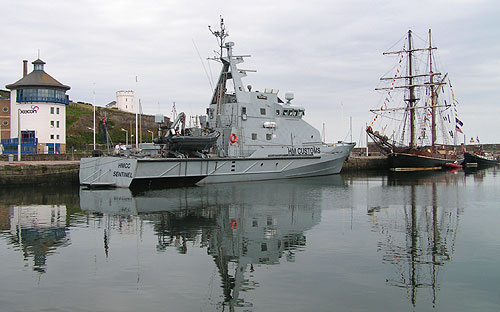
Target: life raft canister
(233,138)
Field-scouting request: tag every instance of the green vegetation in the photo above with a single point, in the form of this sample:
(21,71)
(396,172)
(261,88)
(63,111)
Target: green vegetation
(79,125)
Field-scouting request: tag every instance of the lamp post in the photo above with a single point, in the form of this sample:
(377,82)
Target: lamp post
(151,135)
(18,135)
(93,107)
(126,136)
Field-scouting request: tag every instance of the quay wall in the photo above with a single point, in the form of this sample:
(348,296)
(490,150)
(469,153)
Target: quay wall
(63,169)
(358,163)
(38,173)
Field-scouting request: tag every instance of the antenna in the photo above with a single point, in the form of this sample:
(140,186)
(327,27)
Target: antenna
(220,34)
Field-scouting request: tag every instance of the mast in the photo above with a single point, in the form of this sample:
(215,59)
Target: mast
(411,101)
(220,89)
(433,96)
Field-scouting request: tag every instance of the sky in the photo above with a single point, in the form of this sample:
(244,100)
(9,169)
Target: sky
(328,53)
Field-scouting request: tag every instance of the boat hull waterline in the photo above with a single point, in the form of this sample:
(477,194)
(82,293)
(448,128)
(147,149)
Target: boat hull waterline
(473,160)
(114,171)
(412,162)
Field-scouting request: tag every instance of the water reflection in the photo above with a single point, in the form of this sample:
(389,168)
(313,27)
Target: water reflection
(34,221)
(242,225)
(418,234)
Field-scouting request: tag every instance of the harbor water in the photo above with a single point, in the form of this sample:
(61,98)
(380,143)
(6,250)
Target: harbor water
(349,242)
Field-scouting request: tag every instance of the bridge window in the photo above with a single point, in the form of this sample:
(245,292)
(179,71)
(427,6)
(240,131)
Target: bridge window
(254,136)
(277,112)
(269,136)
(262,111)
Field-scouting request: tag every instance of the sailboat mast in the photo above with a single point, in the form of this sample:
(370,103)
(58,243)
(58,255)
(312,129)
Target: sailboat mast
(433,95)
(411,100)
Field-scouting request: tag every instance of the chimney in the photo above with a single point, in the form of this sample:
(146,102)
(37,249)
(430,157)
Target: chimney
(25,68)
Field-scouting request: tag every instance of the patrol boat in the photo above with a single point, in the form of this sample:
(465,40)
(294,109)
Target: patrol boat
(259,137)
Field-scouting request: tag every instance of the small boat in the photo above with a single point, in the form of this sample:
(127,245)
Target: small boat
(479,160)
(416,129)
(453,165)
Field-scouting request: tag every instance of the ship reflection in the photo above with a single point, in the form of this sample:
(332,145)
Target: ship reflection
(243,226)
(418,231)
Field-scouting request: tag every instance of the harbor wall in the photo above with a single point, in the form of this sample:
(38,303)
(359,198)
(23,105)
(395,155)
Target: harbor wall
(38,173)
(358,163)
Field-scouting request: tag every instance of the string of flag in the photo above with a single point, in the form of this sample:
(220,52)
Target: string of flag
(388,97)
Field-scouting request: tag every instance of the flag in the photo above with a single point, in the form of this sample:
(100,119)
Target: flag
(458,129)
(104,129)
(459,122)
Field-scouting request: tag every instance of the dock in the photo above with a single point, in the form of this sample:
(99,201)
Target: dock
(39,172)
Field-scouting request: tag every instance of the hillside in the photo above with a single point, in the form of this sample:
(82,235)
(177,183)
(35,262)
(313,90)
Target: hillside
(79,122)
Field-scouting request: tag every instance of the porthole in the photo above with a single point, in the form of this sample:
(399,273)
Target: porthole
(5,109)
(5,123)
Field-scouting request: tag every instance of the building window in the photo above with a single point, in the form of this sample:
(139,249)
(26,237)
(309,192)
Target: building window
(254,136)
(52,124)
(269,136)
(51,136)
(58,136)
(263,247)
(52,110)
(57,109)
(6,109)
(58,124)
(262,111)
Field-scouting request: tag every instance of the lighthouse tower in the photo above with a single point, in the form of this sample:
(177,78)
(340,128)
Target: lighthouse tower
(125,101)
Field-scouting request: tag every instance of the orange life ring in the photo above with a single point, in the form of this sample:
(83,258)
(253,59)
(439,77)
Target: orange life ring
(233,138)
(234,223)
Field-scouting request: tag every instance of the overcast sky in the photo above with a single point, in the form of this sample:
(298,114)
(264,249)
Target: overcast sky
(329,53)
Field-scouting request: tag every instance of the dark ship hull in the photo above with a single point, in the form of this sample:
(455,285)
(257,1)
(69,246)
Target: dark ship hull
(415,162)
(473,160)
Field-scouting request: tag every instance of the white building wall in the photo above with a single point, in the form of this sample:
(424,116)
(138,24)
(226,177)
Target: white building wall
(125,101)
(39,121)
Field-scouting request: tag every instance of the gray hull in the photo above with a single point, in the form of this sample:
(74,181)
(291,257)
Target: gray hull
(168,172)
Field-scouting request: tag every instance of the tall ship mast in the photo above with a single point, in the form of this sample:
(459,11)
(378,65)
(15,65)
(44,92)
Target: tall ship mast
(416,128)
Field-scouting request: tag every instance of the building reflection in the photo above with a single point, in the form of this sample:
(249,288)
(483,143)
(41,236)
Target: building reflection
(418,230)
(35,220)
(243,226)
(37,230)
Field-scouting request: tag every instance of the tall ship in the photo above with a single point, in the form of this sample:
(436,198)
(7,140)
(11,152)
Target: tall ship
(417,124)
(246,135)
